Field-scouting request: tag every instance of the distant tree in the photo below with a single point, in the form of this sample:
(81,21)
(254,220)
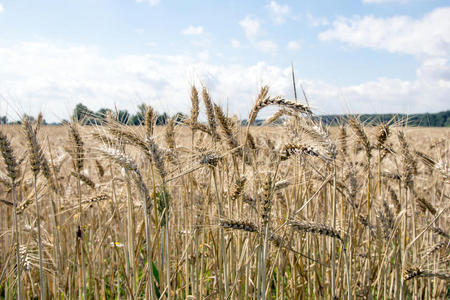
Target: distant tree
(142,108)
(102,112)
(179,117)
(29,117)
(80,112)
(138,118)
(4,120)
(84,115)
(123,116)
(162,119)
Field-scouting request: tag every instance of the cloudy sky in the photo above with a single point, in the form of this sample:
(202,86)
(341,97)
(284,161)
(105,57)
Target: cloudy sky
(360,56)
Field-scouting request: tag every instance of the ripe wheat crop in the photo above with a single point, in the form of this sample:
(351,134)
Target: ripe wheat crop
(217,210)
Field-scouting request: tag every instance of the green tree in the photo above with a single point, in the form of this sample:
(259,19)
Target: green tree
(79,113)
(179,117)
(138,118)
(123,116)
(162,119)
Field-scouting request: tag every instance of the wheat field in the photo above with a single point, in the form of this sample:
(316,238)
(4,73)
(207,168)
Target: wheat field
(216,210)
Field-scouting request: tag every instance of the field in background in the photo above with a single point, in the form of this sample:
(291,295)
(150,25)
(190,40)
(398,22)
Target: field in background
(220,211)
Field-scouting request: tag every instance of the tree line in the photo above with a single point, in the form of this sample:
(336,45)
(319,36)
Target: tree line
(86,116)
(440,119)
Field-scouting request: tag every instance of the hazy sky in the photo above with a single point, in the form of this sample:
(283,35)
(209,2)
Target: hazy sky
(350,56)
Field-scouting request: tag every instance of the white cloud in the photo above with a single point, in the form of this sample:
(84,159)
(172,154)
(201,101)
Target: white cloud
(201,41)
(150,2)
(53,78)
(316,21)
(252,29)
(383,95)
(294,45)
(1,8)
(386,1)
(278,12)
(151,44)
(235,43)
(251,26)
(203,55)
(140,30)
(192,30)
(428,36)
(266,46)
(434,69)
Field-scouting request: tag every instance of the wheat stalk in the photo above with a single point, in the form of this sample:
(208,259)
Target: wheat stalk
(13,172)
(35,152)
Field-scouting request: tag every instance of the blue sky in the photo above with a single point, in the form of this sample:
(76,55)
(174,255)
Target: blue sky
(350,56)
